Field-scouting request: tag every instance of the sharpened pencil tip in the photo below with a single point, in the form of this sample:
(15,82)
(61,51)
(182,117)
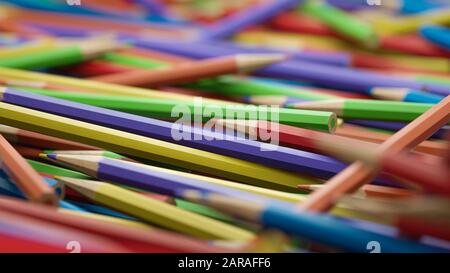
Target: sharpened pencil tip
(47,156)
(254,61)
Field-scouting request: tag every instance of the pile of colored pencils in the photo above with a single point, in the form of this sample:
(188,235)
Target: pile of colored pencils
(195,126)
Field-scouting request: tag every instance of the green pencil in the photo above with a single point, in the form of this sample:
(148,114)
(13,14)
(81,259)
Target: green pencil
(60,56)
(239,87)
(342,22)
(368,109)
(164,109)
(54,170)
(134,61)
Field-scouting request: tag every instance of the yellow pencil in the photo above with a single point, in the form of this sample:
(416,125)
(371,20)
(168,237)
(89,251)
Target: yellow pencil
(155,211)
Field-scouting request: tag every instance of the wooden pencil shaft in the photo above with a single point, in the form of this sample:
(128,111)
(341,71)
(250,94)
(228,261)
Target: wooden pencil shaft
(23,174)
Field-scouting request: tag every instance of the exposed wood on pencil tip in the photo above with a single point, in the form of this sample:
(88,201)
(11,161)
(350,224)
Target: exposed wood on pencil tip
(253,61)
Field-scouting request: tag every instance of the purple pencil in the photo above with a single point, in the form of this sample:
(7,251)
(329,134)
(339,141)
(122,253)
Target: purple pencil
(252,16)
(317,73)
(144,177)
(267,154)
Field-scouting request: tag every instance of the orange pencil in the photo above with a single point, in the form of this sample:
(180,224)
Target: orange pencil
(187,72)
(26,178)
(360,173)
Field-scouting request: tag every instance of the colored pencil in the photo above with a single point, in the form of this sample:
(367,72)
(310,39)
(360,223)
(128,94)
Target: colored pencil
(368,109)
(235,86)
(295,22)
(359,173)
(33,139)
(136,61)
(141,239)
(342,22)
(163,109)
(245,18)
(438,35)
(23,174)
(156,212)
(60,56)
(192,71)
(9,187)
(407,95)
(55,170)
(88,153)
(319,228)
(371,191)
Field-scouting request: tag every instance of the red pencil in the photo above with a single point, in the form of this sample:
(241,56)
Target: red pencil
(295,22)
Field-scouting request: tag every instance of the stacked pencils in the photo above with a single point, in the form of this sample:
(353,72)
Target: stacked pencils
(196,126)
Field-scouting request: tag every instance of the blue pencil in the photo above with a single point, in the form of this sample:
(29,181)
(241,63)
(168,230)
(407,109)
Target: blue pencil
(438,35)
